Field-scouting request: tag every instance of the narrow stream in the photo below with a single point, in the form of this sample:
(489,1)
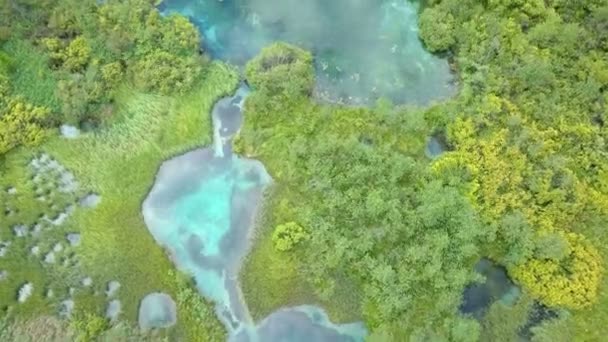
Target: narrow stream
(202,209)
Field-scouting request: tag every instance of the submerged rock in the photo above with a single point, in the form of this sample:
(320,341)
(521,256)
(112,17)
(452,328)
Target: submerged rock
(113,287)
(49,258)
(65,308)
(58,247)
(113,310)
(87,281)
(20,230)
(59,220)
(25,292)
(4,247)
(69,132)
(11,190)
(157,310)
(37,229)
(3,275)
(67,182)
(90,201)
(73,239)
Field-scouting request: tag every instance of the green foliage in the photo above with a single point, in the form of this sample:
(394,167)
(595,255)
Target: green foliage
(165,73)
(88,326)
(30,76)
(286,236)
(77,54)
(571,282)
(82,95)
(112,73)
(505,322)
(6,64)
(529,140)
(556,330)
(92,48)
(72,56)
(282,69)
(21,124)
(437,29)
(377,219)
(197,313)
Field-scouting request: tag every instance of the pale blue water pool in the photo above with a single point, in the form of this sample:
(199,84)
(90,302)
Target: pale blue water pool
(363,49)
(202,209)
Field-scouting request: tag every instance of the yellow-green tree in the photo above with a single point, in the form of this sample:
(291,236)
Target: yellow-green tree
(286,236)
(73,56)
(571,283)
(21,124)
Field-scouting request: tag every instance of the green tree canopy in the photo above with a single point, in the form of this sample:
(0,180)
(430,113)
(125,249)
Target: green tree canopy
(282,69)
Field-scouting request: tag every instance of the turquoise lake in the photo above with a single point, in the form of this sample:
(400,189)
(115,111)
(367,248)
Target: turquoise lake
(363,49)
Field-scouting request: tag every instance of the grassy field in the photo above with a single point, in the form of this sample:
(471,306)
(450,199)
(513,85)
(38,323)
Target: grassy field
(119,163)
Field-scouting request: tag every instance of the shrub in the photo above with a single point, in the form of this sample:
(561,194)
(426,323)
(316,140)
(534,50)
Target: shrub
(571,283)
(282,69)
(166,73)
(21,124)
(73,56)
(286,236)
(437,29)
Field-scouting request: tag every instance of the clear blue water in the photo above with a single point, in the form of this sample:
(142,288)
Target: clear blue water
(363,48)
(201,209)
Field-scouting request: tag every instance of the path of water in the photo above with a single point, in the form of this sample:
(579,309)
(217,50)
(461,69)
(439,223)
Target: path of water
(202,209)
(363,48)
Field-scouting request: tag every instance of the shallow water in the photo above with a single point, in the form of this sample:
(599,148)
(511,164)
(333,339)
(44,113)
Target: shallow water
(478,297)
(201,209)
(363,48)
(435,147)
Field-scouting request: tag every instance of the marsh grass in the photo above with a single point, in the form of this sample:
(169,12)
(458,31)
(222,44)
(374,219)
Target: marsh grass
(34,81)
(120,163)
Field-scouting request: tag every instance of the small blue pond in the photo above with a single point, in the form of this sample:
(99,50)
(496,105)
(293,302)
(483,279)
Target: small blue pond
(363,48)
(478,297)
(201,209)
(435,146)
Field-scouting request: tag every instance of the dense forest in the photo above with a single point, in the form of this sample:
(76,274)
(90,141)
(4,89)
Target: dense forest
(358,219)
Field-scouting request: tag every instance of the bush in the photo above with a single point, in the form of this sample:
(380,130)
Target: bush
(571,283)
(282,69)
(166,73)
(73,56)
(88,326)
(286,236)
(21,124)
(437,29)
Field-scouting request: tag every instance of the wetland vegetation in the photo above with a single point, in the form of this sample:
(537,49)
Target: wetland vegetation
(478,217)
